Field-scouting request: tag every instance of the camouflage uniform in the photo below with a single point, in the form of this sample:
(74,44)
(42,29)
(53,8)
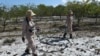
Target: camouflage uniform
(28,31)
(69,24)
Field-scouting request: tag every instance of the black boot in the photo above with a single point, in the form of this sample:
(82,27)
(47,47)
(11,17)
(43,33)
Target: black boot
(34,54)
(64,36)
(27,51)
(71,36)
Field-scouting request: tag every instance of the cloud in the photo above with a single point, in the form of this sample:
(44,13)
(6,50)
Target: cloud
(98,0)
(64,1)
(90,0)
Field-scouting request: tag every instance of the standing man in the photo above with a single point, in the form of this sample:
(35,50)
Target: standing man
(69,24)
(28,29)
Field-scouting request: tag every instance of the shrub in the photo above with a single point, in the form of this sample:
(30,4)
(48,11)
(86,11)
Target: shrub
(8,41)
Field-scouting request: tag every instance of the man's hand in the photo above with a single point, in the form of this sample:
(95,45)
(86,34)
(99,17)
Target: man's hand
(23,39)
(38,29)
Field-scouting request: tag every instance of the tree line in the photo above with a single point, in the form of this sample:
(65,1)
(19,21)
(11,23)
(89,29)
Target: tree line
(80,9)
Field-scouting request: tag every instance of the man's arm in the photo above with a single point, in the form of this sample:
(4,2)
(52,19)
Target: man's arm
(23,30)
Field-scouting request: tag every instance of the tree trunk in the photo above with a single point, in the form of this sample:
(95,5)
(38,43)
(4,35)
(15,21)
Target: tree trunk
(96,15)
(4,25)
(78,22)
(60,17)
(96,20)
(16,20)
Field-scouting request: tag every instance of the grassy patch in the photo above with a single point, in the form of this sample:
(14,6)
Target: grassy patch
(8,41)
(10,36)
(49,32)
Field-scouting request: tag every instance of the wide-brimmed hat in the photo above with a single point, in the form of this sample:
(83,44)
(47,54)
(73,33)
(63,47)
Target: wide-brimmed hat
(30,13)
(69,12)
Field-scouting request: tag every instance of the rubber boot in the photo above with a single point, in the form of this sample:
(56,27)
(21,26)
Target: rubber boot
(64,36)
(27,51)
(71,36)
(34,54)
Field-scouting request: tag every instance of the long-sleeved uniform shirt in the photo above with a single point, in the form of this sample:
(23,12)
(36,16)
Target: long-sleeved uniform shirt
(28,28)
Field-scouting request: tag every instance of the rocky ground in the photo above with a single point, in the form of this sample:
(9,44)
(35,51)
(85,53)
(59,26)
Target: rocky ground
(83,44)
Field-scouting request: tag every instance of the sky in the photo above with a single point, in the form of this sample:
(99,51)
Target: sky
(36,2)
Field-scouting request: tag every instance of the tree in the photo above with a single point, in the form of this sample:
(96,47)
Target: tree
(50,10)
(14,12)
(22,10)
(5,16)
(59,10)
(42,10)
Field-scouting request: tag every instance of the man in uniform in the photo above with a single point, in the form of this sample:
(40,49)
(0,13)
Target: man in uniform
(69,24)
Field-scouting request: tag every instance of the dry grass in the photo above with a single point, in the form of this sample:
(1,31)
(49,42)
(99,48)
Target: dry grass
(8,41)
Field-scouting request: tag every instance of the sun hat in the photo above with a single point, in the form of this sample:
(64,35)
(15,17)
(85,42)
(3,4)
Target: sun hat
(70,12)
(30,13)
